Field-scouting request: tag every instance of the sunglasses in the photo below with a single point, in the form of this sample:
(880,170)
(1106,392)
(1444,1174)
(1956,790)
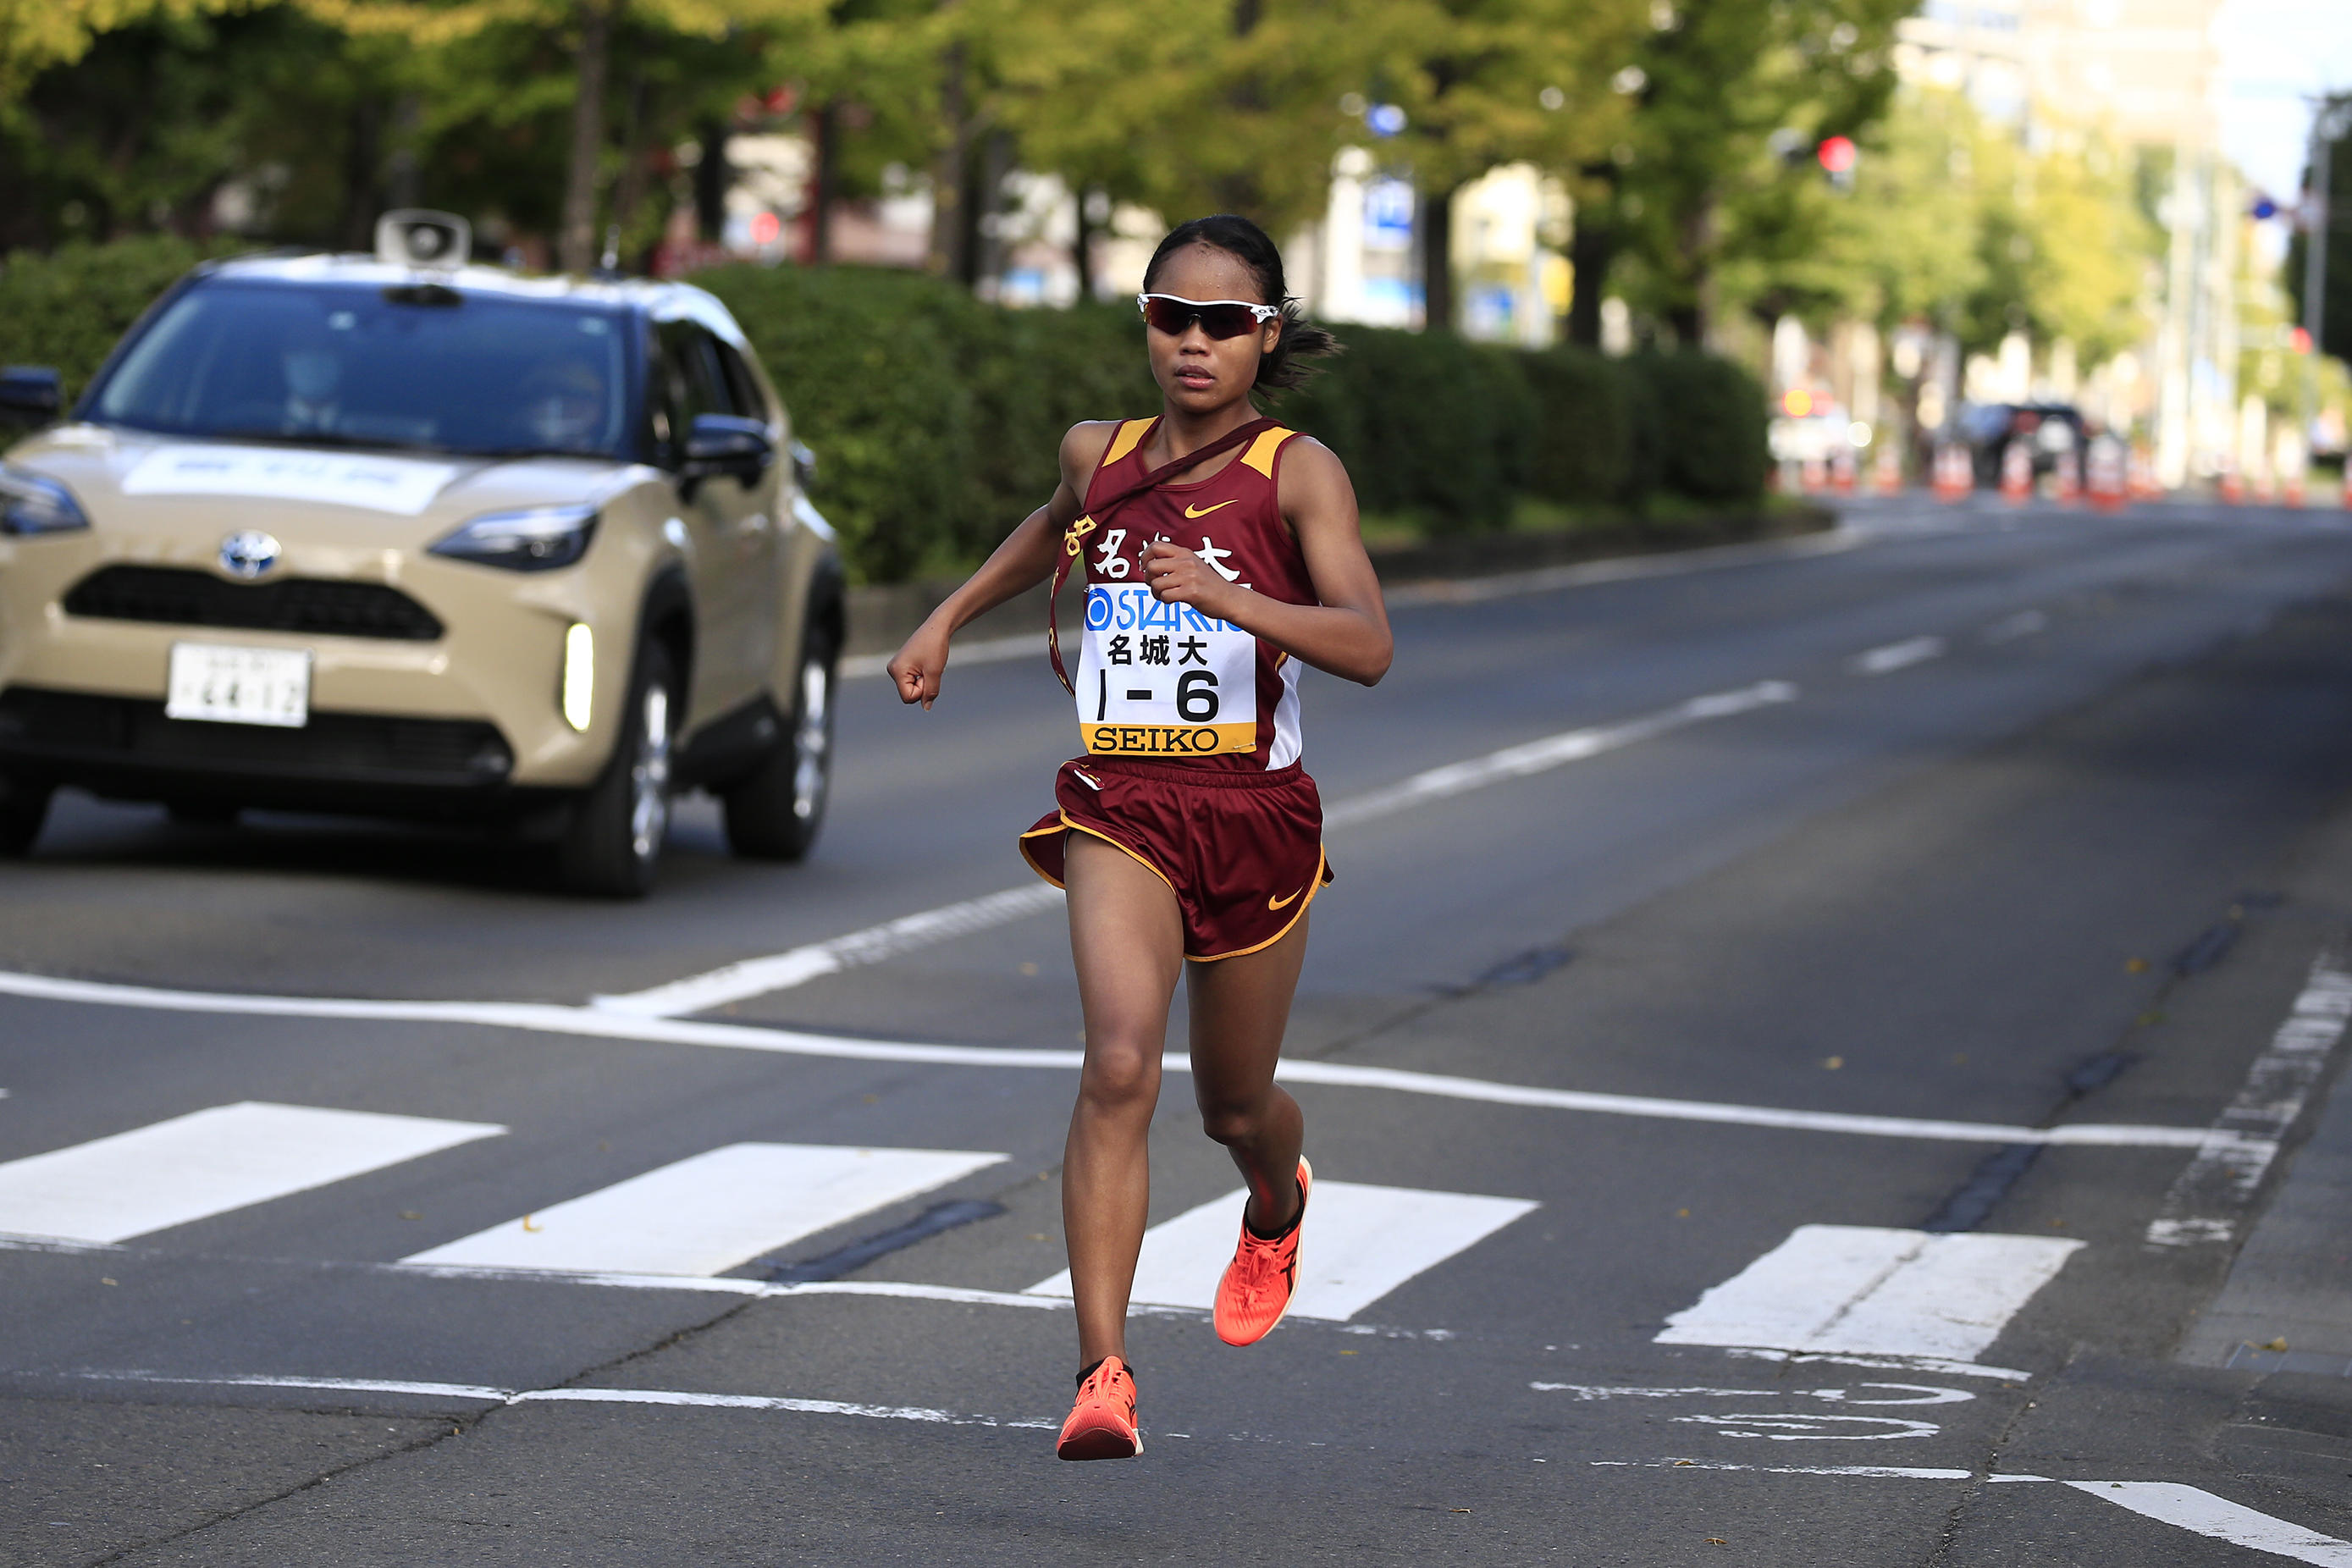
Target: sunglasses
(1220,319)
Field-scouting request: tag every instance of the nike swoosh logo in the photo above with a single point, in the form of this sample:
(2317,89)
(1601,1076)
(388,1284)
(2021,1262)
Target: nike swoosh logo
(1274,903)
(1205,510)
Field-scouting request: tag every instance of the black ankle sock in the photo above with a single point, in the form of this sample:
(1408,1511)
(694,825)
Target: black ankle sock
(1286,1229)
(1091,1367)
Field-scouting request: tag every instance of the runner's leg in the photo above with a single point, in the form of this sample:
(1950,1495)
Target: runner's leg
(1129,941)
(1240,1007)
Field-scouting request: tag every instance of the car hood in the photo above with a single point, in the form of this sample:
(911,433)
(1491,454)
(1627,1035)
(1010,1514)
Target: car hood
(132,483)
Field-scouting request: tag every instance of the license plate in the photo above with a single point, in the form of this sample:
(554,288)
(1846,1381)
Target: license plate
(239,685)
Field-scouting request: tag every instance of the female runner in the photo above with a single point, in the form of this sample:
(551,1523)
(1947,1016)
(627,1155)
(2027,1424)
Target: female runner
(1219,551)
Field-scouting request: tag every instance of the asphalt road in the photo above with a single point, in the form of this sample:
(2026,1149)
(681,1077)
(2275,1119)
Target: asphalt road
(1762,1055)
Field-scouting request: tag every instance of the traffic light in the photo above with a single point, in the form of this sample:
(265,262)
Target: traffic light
(1837,155)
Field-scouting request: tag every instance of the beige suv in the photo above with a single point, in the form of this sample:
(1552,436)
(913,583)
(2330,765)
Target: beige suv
(336,532)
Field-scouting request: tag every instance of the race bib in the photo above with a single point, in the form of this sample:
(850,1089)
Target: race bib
(1163,680)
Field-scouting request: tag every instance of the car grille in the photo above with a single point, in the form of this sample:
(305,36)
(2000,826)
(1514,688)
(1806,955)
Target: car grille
(359,747)
(176,595)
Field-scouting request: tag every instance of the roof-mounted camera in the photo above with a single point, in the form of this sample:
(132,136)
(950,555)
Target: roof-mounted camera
(412,237)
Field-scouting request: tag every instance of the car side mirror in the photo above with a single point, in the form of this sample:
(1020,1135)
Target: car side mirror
(727,444)
(803,465)
(32,391)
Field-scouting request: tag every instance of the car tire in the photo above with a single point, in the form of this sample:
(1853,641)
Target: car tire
(613,843)
(23,808)
(774,812)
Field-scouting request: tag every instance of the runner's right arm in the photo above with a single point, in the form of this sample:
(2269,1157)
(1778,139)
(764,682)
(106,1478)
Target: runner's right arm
(1025,560)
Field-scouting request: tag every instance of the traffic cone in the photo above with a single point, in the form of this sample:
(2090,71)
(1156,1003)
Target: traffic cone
(2292,491)
(2143,476)
(1814,474)
(1888,470)
(2233,488)
(1842,470)
(2107,474)
(1955,475)
(2068,479)
(2347,483)
(2016,473)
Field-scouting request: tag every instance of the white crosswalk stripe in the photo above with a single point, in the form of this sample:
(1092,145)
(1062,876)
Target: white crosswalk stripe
(710,1213)
(1360,1243)
(207,1163)
(1863,1290)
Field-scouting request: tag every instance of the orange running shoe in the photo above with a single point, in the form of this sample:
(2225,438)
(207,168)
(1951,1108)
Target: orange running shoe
(1263,1277)
(1102,1422)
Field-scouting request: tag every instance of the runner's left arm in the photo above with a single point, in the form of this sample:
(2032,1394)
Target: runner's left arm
(1346,634)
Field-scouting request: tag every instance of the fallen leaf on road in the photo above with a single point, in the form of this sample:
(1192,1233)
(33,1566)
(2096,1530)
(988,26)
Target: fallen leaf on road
(527,1224)
(2276,1345)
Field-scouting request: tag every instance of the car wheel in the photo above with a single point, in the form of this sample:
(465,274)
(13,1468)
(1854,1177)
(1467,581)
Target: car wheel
(614,842)
(774,813)
(23,808)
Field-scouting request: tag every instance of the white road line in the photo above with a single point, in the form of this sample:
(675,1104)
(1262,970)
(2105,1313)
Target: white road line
(2189,1508)
(2209,1198)
(780,971)
(1907,1393)
(547,1018)
(207,1163)
(1367,1241)
(1938,1365)
(478,1394)
(1896,656)
(2009,629)
(1870,1291)
(1552,751)
(1623,569)
(710,1213)
(1885,1472)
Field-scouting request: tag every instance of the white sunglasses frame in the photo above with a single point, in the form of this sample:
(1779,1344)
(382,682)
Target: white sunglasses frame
(1261,313)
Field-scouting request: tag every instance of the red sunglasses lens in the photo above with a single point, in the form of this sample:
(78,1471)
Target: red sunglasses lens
(1218,320)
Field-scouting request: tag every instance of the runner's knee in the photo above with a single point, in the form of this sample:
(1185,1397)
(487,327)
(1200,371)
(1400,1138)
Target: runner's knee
(1230,1121)
(1120,1078)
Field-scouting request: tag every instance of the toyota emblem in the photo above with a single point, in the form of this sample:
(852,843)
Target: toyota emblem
(248,554)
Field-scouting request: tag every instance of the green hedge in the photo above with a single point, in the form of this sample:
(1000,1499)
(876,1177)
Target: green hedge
(936,419)
(67,308)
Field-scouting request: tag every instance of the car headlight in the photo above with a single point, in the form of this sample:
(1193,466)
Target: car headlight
(538,539)
(31,504)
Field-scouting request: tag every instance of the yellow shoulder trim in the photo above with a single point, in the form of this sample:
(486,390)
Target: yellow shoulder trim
(1130,431)
(1261,452)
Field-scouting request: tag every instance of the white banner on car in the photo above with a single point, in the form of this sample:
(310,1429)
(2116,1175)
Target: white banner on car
(400,484)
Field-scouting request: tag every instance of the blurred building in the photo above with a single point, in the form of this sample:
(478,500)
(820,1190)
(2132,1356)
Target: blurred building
(2147,75)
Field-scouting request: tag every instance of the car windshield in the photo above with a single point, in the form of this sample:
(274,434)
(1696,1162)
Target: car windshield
(345,365)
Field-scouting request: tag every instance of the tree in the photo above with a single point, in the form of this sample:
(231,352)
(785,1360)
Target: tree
(1695,184)
(587,29)
(2336,289)
(1489,83)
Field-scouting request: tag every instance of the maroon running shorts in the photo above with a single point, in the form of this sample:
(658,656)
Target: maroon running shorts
(1242,851)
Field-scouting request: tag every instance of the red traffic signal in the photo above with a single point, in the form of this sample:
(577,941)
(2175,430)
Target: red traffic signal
(1837,154)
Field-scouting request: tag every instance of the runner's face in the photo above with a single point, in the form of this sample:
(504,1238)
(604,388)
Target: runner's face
(1197,372)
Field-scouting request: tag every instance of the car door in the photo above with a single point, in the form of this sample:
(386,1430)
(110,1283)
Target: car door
(731,530)
(766,520)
